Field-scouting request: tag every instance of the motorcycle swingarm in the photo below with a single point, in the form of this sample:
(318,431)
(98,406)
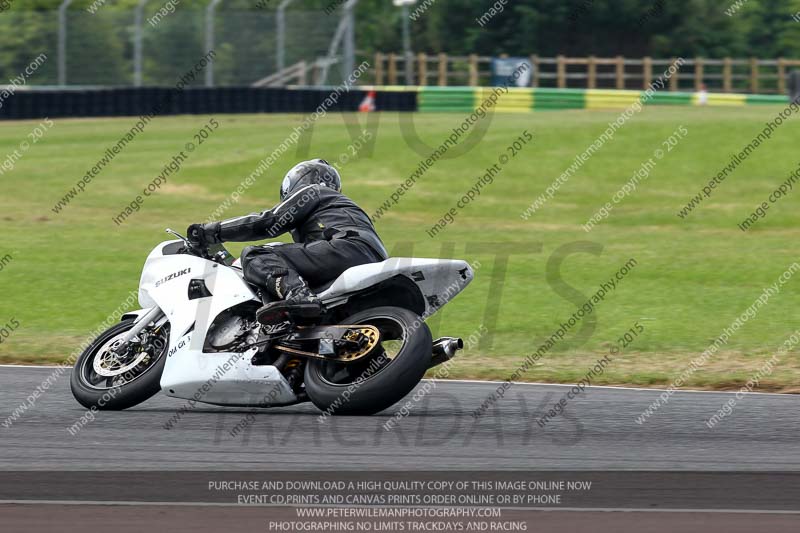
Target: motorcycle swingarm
(341,343)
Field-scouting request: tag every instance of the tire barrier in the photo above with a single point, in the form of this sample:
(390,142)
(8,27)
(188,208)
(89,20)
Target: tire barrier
(36,103)
(442,99)
(32,103)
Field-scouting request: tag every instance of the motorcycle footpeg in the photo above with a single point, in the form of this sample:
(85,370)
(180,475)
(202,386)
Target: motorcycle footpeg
(327,348)
(275,325)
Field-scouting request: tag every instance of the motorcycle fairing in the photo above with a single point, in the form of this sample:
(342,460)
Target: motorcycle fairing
(438,280)
(230,378)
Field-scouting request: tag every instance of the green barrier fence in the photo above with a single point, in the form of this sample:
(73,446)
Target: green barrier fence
(443,99)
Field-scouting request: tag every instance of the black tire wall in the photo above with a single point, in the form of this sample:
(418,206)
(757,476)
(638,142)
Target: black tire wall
(134,102)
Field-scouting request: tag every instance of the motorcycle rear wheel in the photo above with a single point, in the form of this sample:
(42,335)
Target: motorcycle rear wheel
(392,371)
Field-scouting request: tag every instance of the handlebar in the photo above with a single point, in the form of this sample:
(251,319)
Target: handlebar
(189,247)
(217,252)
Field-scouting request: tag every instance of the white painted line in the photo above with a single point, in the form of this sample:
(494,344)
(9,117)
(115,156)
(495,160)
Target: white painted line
(284,506)
(619,387)
(32,366)
(535,383)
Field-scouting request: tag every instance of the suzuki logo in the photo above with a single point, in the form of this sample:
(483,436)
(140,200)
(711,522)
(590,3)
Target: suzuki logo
(173,276)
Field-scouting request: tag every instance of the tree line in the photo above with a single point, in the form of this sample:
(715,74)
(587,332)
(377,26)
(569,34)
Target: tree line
(100,42)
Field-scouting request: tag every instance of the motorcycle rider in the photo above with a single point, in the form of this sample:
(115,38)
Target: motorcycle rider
(330,232)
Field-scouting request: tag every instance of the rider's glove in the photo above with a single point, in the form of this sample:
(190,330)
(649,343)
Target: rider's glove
(202,234)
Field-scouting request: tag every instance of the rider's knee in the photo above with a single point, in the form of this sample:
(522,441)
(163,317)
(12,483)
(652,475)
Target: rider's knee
(247,253)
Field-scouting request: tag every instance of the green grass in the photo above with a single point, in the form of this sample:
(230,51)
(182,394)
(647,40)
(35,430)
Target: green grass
(693,277)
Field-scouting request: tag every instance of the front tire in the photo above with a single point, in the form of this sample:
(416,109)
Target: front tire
(100,380)
(370,386)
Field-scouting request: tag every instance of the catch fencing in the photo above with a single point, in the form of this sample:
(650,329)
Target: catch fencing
(151,42)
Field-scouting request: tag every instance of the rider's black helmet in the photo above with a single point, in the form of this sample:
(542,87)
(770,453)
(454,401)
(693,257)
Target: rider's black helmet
(312,172)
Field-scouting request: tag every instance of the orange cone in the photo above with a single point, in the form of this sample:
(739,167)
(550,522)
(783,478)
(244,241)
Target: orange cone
(368,104)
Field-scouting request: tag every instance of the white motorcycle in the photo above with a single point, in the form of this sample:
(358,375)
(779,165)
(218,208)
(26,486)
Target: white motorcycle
(197,337)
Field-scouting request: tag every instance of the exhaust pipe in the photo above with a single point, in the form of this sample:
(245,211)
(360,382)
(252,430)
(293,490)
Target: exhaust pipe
(445,349)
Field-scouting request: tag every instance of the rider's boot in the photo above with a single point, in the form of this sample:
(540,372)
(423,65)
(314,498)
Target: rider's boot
(294,298)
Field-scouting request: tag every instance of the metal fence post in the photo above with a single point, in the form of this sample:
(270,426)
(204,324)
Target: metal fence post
(137,44)
(407,61)
(341,29)
(62,42)
(210,40)
(280,35)
(349,41)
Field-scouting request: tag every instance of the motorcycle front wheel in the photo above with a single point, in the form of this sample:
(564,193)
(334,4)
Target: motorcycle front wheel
(103,379)
(379,381)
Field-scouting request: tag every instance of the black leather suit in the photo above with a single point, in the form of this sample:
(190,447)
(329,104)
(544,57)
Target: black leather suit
(331,234)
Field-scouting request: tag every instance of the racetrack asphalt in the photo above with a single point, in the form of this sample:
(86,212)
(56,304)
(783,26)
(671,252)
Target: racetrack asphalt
(598,431)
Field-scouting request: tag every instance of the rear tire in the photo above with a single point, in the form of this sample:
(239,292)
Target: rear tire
(334,387)
(105,395)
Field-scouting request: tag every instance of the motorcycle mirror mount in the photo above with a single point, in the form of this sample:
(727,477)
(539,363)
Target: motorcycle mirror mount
(200,252)
(178,235)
